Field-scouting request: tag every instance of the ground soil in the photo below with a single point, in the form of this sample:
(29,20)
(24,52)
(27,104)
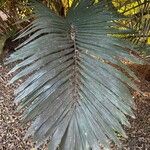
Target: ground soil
(12,131)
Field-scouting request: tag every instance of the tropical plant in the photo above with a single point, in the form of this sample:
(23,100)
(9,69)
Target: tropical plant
(77,93)
(139,12)
(14,16)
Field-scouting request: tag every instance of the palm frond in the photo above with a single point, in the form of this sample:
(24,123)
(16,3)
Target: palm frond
(74,94)
(139,13)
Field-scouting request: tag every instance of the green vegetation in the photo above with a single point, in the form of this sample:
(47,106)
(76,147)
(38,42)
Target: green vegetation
(77,94)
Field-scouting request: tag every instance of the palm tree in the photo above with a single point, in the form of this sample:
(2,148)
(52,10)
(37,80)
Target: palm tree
(77,94)
(139,13)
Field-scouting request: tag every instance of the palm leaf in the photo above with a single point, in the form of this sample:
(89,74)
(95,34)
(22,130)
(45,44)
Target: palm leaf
(74,95)
(139,12)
